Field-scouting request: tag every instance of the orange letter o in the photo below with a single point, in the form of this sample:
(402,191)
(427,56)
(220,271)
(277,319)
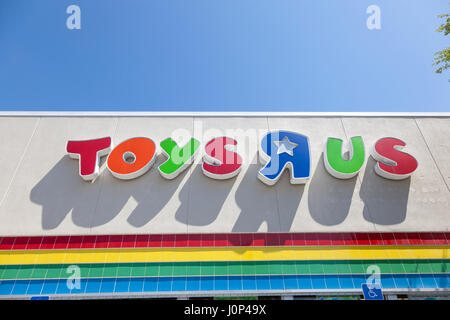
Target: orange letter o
(132,158)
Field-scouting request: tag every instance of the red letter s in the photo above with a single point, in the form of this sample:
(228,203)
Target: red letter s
(392,163)
(220,163)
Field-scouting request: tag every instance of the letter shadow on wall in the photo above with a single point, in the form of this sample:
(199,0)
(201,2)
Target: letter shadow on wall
(329,198)
(202,198)
(62,191)
(259,203)
(385,201)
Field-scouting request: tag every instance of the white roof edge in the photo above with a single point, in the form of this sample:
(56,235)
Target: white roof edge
(214,114)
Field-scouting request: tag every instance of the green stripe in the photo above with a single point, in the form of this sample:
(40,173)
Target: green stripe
(111,270)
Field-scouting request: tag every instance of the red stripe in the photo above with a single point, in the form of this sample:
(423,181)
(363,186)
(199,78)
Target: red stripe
(223,240)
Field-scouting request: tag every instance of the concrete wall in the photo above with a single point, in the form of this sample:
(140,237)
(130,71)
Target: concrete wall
(42,193)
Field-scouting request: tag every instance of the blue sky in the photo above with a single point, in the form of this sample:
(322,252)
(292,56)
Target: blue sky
(222,55)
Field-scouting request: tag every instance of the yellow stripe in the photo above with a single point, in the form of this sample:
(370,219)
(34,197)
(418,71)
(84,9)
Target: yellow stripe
(222,254)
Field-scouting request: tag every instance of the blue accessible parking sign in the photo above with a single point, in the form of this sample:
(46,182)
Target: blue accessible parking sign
(372,291)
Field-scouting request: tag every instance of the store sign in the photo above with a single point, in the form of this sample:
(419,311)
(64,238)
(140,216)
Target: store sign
(278,151)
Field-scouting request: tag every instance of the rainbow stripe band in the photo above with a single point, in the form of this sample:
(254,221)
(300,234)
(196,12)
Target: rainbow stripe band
(223,240)
(154,264)
(222,254)
(231,268)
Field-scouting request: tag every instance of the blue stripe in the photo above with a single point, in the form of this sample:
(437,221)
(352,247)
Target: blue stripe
(221,283)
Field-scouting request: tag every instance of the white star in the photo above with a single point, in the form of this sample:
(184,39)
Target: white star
(285,146)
